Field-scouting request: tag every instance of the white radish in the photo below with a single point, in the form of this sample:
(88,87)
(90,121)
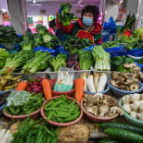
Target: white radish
(96,80)
(4,139)
(2,133)
(102,82)
(83,76)
(90,84)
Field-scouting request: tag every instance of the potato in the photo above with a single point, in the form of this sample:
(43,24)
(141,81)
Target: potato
(77,133)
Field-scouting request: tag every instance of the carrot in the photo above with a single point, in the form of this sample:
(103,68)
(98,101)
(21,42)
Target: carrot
(79,89)
(21,86)
(47,89)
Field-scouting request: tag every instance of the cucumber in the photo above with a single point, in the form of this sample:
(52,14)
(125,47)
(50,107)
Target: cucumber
(124,135)
(129,127)
(107,140)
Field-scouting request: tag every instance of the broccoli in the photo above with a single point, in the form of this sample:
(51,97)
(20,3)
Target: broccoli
(41,29)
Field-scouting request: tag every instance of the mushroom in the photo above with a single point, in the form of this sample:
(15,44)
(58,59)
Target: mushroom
(132,80)
(87,105)
(119,110)
(141,101)
(124,75)
(90,110)
(136,68)
(141,107)
(103,109)
(109,101)
(87,97)
(127,82)
(142,96)
(127,107)
(113,109)
(140,116)
(140,75)
(135,75)
(127,66)
(135,105)
(110,114)
(135,97)
(121,80)
(95,110)
(133,114)
(114,75)
(123,87)
(114,83)
(126,99)
(133,65)
(134,86)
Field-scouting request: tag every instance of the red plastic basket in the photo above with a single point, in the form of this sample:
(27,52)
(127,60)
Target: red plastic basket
(55,93)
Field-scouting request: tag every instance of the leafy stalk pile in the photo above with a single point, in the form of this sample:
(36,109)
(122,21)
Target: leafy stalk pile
(117,64)
(38,63)
(8,37)
(58,62)
(73,44)
(16,61)
(85,60)
(66,17)
(138,33)
(35,132)
(102,58)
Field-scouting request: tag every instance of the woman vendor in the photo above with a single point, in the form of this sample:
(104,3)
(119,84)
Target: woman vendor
(86,26)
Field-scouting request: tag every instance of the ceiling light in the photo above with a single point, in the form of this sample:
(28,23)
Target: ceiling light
(34,1)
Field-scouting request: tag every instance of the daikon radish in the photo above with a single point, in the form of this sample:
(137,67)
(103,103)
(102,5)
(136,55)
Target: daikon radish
(83,76)
(2,133)
(102,82)
(90,84)
(96,80)
(5,137)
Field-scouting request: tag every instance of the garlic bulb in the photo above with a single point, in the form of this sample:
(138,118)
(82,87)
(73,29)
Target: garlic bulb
(126,99)
(135,105)
(141,107)
(135,97)
(133,114)
(127,107)
(140,116)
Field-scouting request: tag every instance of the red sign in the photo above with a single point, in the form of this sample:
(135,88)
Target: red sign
(6,16)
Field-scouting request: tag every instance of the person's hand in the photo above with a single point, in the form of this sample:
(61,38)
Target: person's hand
(60,10)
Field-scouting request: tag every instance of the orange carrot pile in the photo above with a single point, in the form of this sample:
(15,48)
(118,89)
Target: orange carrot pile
(47,89)
(21,86)
(79,89)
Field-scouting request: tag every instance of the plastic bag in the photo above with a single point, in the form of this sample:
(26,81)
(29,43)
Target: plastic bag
(140,65)
(14,50)
(105,35)
(65,80)
(61,50)
(53,52)
(135,52)
(89,48)
(110,25)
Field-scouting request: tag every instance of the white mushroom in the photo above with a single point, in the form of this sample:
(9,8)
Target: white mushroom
(141,101)
(127,107)
(126,99)
(141,107)
(142,96)
(133,114)
(135,97)
(113,109)
(90,110)
(135,105)
(103,109)
(140,116)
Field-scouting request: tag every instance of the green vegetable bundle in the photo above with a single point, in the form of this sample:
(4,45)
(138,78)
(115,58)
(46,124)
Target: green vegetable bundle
(102,59)
(85,60)
(34,132)
(66,17)
(16,61)
(138,33)
(110,44)
(58,62)
(73,44)
(3,56)
(8,37)
(33,104)
(39,62)
(117,63)
(62,110)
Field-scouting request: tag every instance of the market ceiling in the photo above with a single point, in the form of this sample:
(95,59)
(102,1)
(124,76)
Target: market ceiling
(65,0)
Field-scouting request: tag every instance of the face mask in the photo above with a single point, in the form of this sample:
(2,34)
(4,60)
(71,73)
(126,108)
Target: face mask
(87,21)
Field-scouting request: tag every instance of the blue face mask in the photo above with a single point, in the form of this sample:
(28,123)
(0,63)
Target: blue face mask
(87,21)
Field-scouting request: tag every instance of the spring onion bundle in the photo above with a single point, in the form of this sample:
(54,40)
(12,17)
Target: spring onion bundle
(102,59)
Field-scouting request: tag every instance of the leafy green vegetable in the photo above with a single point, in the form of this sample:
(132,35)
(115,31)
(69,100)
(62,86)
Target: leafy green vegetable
(85,60)
(26,45)
(8,37)
(38,63)
(37,40)
(41,29)
(35,132)
(140,61)
(73,44)
(117,63)
(110,44)
(33,104)
(15,61)
(58,62)
(138,33)
(65,17)
(3,56)
(102,58)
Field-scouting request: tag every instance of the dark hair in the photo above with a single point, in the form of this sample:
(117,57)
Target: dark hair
(52,23)
(93,9)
